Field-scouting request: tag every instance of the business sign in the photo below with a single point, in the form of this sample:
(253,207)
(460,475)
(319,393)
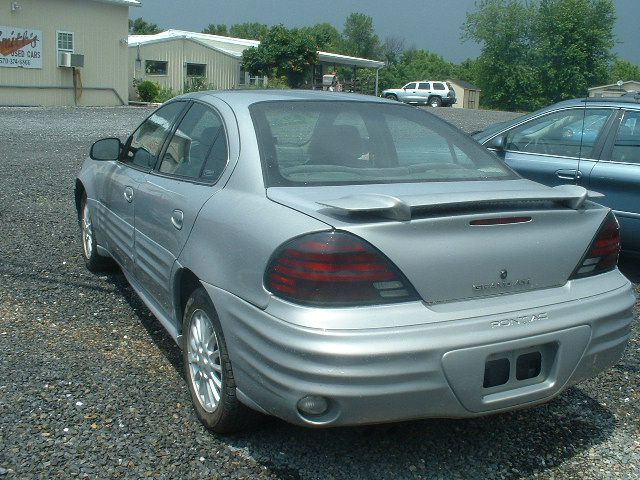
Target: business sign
(20,47)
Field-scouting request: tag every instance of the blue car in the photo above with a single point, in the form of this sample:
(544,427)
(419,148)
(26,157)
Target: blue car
(593,142)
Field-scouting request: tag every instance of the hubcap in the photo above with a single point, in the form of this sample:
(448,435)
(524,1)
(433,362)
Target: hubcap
(204,361)
(87,232)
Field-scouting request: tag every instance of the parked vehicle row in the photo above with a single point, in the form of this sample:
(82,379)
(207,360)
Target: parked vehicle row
(347,260)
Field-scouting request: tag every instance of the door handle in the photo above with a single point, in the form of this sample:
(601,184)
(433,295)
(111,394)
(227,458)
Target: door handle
(177,217)
(128,194)
(569,174)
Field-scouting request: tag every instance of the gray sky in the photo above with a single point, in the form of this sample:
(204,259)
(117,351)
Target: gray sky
(432,25)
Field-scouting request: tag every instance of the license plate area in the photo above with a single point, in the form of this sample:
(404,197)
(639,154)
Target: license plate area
(560,351)
(518,368)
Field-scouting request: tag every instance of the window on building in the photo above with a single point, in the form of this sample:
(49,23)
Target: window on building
(196,69)
(65,41)
(156,67)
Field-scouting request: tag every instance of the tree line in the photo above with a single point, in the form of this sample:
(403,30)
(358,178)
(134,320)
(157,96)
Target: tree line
(533,52)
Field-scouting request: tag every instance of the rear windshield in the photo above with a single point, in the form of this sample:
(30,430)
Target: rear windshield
(343,142)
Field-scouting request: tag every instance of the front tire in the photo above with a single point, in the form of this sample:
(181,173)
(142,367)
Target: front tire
(391,96)
(208,369)
(93,261)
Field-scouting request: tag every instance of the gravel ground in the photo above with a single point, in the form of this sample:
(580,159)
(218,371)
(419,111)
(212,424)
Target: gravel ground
(91,386)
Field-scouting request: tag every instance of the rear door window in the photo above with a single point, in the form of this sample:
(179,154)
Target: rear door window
(423,86)
(198,148)
(626,147)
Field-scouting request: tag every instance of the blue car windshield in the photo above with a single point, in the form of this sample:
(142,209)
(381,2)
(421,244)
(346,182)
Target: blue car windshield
(344,142)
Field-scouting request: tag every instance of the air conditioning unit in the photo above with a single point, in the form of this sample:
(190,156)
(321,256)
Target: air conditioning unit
(68,60)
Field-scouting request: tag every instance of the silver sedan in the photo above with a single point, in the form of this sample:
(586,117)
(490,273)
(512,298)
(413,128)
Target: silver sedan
(349,260)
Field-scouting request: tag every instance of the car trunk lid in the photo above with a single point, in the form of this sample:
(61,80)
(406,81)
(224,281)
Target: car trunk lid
(462,240)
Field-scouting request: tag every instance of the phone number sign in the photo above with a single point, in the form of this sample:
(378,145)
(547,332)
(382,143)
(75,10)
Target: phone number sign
(20,47)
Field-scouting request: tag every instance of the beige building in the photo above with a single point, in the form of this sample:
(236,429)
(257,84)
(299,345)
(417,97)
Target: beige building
(615,90)
(467,94)
(174,58)
(64,52)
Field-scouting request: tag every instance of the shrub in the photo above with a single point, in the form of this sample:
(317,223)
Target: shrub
(197,84)
(165,94)
(148,90)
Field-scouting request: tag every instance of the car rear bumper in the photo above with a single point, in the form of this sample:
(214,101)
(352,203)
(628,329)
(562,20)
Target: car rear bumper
(431,369)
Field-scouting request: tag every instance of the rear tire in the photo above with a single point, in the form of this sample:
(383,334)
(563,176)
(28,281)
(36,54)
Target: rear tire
(208,369)
(92,259)
(435,102)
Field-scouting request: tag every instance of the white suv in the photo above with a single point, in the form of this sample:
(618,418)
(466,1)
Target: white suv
(434,93)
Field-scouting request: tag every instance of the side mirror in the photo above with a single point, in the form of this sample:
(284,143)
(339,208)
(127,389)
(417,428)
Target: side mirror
(106,149)
(497,143)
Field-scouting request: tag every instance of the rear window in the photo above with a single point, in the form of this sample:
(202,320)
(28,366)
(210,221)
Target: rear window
(438,86)
(342,142)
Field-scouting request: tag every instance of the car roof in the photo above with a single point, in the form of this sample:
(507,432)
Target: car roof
(245,98)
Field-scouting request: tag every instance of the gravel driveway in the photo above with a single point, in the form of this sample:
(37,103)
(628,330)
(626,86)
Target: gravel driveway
(91,386)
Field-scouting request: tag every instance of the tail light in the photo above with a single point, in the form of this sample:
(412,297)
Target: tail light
(331,269)
(603,252)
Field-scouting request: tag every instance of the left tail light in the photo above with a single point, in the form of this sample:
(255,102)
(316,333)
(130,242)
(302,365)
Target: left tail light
(332,269)
(603,252)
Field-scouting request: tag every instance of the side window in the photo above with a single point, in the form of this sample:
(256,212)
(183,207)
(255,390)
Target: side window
(198,144)
(438,86)
(156,67)
(410,86)
(146,141)
(423,86)
(568,133)
(627,144)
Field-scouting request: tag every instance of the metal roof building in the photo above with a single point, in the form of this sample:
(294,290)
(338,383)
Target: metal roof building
(64,52)
(173,57)
(615,89)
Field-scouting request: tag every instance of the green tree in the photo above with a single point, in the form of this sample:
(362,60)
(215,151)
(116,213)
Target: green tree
(624,70)
(392,48)
(220,29)
(282,52)
(467,70)
(326,37)
(572,45)
(141,27)
(249,30)
(360,37)
(536,53)
(505,69)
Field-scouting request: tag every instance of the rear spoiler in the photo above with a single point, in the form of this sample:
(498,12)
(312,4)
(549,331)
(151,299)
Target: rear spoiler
(387,206)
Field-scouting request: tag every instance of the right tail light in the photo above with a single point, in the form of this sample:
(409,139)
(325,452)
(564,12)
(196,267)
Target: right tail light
(603,252)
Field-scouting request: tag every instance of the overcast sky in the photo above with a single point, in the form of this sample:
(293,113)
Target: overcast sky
(428,24)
